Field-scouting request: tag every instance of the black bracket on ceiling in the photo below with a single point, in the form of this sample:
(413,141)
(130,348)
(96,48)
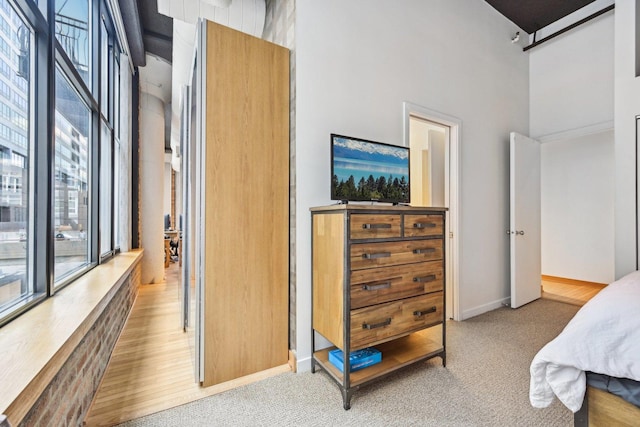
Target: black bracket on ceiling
(570,27)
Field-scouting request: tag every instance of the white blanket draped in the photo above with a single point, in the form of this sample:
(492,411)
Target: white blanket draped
(603,337)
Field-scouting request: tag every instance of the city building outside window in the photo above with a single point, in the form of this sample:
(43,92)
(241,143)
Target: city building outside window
(72,174)
(59,158)
(16,39)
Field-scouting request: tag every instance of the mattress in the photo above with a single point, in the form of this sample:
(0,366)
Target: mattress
(627,389)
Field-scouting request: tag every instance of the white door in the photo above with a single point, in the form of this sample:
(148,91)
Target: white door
(525,220)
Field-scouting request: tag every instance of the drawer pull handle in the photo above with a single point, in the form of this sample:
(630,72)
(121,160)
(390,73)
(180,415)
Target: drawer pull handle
(386,322)
(425,279)
(424,251)
(423,312)
(377,255)
(377,287)
(374,226)
(424,225)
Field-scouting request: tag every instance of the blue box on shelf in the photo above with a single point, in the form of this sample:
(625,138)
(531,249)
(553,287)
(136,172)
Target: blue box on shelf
(359,359)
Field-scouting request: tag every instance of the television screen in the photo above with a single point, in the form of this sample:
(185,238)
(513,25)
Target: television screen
(364,170)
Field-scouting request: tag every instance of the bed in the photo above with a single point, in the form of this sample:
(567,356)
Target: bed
(597,350)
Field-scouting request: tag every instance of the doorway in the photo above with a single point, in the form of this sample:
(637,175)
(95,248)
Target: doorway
(434,139)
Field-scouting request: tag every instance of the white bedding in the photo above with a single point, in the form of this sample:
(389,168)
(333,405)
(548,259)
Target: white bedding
(603,337)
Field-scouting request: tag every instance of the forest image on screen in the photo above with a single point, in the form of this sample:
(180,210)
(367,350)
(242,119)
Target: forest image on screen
(366,170)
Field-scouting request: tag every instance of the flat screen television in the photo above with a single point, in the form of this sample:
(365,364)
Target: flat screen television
(363,170)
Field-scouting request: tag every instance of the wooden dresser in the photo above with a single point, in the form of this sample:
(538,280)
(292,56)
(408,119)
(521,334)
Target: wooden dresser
(378,281)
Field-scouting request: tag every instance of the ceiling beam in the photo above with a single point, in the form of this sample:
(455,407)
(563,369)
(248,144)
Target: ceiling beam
(133,29)
(159,45)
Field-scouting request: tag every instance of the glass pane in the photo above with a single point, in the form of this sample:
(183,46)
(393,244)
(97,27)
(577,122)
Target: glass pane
(104,70)
(118,211)
(106,207)
(72,31)
(72,191)
(16,40)
(116,94)
(42,5)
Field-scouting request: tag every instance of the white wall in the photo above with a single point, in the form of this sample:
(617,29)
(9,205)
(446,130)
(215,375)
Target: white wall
(627,106)
(572,109)
(357,61)
(571,80)
(578,208)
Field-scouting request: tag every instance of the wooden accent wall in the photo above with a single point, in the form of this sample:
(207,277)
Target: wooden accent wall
(247,205)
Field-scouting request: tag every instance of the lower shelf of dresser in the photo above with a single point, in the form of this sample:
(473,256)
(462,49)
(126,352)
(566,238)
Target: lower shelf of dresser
(396,354)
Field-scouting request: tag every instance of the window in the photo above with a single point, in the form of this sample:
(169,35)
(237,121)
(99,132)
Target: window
(4,26)
(5,111)
(73,125)
(5,134)
(73,181)
(15,223)
(4,88)
(106,192)
(104,65)
(116,194)
(18,138)
(4,68)
(18,160)
(73,33)
(109,154)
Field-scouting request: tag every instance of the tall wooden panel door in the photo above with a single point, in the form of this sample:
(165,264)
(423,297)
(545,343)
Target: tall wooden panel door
(245,220)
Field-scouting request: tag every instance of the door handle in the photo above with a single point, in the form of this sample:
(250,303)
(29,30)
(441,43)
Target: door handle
(521,232)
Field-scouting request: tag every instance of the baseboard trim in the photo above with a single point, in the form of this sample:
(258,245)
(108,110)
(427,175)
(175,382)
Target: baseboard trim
(481,309)
(303,365)
(569,281)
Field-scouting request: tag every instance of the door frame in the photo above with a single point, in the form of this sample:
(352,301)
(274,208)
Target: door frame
(452,256)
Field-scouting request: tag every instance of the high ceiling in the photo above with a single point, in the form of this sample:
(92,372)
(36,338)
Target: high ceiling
(147,30)
(151,33)
(532,15)
(157,29)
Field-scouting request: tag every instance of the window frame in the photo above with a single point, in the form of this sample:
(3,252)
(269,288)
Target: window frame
(38,111)
(66,279)
(47,55)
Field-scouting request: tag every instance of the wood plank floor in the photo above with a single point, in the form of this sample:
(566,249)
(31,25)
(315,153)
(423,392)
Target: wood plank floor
(152,365)
(569,291)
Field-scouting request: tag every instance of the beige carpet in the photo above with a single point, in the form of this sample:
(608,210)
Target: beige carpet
(485,383)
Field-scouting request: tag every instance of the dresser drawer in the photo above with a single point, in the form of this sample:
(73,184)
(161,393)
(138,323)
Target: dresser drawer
(378,285)
(423,225)
(375,226)
(370,255)
(375,324)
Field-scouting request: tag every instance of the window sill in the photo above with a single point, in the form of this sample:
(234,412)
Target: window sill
(36,345)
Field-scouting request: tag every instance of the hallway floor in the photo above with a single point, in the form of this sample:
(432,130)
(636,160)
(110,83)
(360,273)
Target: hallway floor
(152,365)
(568,291)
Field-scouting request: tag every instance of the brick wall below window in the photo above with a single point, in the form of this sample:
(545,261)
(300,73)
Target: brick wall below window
(67,398)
